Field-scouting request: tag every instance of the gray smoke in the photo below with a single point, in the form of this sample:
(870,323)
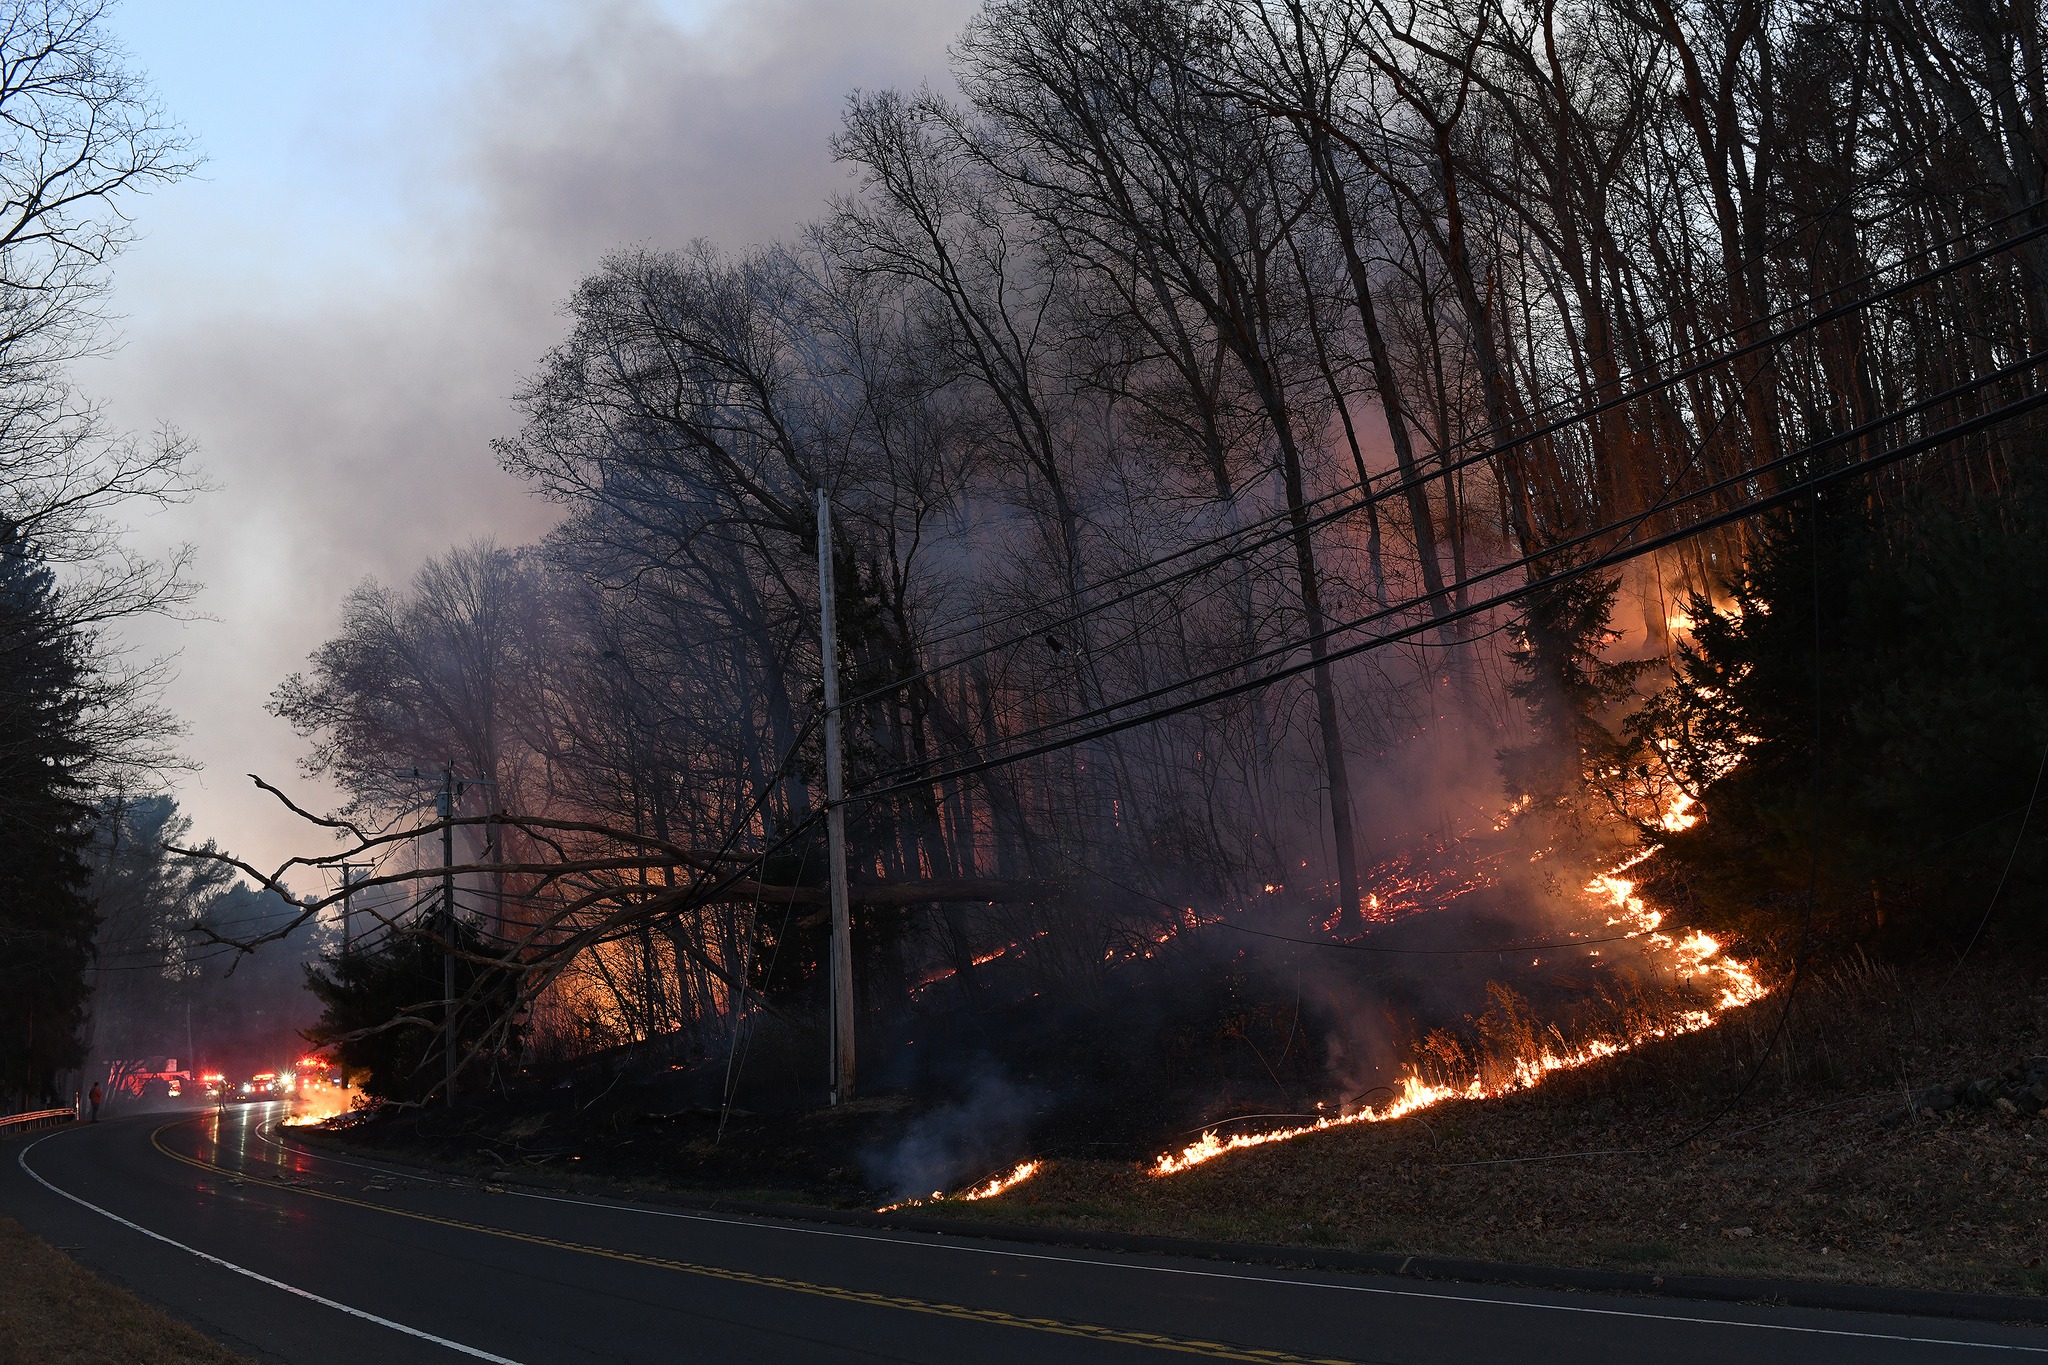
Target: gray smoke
(966,1140)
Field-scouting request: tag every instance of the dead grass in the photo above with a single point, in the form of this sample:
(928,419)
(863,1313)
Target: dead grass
(55,1312)
(1807,1177)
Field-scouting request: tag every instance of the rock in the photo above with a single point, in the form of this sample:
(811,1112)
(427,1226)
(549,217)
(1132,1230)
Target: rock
(1980,1091)
(1936,1098)
(2005,1106)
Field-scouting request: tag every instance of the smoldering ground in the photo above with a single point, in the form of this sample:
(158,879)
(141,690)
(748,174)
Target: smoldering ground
(1257,1012)
(958,1141)
(1251,1013)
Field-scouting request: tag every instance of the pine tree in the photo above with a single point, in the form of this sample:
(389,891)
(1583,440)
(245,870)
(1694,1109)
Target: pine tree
(1568,688)
(363,993)
(1920,727)
(46,920)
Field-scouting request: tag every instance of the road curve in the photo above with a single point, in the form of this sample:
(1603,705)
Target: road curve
(296,1256)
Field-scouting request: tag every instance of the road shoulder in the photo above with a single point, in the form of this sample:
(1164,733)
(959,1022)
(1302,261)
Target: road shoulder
(2000,1308)
(53,1311)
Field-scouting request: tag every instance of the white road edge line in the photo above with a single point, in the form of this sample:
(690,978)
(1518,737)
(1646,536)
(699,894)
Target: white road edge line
(909,1238)
(21,1160)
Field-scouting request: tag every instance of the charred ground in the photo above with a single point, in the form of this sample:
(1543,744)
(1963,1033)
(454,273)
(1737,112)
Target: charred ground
(1237,1021)
(1894,1131)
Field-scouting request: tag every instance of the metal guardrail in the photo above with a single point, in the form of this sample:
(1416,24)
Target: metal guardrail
(11,1124)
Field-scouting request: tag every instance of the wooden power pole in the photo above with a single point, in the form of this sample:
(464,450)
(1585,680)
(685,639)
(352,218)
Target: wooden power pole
(447,804)
(348,919)
(840,959)
(444,807)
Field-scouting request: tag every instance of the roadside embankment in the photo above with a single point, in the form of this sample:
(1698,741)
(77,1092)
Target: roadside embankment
(54,1311)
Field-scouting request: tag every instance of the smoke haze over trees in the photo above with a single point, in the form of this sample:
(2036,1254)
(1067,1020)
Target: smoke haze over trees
(158,991)
(1180,351)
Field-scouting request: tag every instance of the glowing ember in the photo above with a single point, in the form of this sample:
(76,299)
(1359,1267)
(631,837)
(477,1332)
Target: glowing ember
(1135,945)
(1427,879)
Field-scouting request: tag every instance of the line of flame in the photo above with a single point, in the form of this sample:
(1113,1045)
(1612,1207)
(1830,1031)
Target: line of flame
(988,1189)
(1697,954)
(1022,1172)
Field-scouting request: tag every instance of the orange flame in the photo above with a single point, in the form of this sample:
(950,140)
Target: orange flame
(318,1103)
(1696,955)
(1017,1175)
(988,1189)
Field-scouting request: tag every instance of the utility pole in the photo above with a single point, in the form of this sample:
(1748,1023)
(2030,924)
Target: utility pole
(447,811)
(348,921)
(444,807)
(841,957)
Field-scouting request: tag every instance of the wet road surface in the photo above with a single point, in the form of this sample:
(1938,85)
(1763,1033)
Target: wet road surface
(295,1256)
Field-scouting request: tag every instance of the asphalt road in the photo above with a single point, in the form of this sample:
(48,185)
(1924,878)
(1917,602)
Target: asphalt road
(288,1255)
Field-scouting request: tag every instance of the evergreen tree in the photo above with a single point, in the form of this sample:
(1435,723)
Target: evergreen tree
(46,919)
(1920,727)
(1571,693)
(379,1018)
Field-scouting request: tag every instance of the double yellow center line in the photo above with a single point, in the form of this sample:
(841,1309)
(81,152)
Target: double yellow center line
(1214,1350)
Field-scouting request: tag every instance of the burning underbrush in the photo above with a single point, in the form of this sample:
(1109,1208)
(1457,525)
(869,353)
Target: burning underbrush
(1864,1141)
(1470,973)
(314,1104)
(1509,1048)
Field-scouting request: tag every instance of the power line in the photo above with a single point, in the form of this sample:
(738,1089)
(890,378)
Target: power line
(1447,467)
(1642,390)
(1628,525)
(1598,563)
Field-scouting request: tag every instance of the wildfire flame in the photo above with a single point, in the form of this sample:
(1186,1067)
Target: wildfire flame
(988,1189)
(1017,1175)
(1695,955)
(317,1104)
(1698,954)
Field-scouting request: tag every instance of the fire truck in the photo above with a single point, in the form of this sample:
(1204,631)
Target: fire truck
(148,1078)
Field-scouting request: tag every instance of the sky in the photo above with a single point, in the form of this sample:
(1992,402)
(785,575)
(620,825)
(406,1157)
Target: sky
(336,309)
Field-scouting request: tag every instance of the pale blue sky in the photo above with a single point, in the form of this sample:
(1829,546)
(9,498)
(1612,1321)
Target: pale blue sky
(330,130)
(395,200)
(301,111)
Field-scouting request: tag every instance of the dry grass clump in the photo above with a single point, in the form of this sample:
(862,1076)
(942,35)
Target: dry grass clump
(55,1312)
(1815,1171)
